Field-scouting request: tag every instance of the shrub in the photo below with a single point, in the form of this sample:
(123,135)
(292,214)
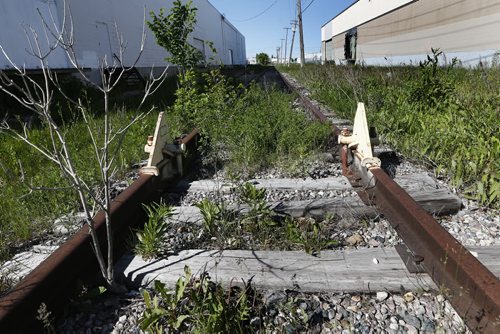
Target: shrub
(262,58)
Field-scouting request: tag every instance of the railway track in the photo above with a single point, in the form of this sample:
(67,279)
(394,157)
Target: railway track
(472,289)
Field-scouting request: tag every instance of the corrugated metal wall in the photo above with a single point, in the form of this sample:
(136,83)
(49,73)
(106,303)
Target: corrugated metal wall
(467,29)
(96,34)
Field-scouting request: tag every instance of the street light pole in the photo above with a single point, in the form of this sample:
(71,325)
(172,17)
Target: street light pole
(281,53)
(301,33)
(294,29)
(286,41)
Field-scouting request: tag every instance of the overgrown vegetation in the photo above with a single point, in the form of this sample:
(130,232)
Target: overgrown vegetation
(27,213)
(198,305)
(252,224)
(245,129)
(446,116)
(151,239)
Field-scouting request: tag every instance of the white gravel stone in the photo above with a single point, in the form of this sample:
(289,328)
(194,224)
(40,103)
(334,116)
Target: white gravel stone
(382,295)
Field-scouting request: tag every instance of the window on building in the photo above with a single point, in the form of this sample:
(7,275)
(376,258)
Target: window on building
(199,44)
(350,45)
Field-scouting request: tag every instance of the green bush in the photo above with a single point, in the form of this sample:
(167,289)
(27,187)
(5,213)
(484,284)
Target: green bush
(446,116)
(151,239)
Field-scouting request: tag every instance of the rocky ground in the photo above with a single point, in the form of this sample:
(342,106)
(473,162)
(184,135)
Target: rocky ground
(292,311)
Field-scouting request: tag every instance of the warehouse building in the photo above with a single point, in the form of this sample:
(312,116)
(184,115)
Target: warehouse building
(98,25)
(382,32)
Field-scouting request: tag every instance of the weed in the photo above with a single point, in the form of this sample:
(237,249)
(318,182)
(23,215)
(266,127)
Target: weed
(309,234)
(197,305)
(45,317)
(446,116)
(212,216)
(151,239)
(256,199)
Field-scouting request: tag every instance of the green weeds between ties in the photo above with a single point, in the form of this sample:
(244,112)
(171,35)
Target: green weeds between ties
(258,227)
(446,116)
(151,239)
(197,305)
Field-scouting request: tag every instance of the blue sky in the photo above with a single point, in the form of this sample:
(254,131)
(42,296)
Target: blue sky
(263,29)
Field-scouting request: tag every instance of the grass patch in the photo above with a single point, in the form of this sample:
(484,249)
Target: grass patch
(198,305)
(24,214)
(258,227)
(446,116)
(245,129)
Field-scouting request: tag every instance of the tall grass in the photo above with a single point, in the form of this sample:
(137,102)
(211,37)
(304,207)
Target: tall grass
(26,213)
(243,129)
(246,129)
(446,116)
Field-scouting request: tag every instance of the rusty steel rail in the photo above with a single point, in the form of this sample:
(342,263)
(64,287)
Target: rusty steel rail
(472,289)
(55,280)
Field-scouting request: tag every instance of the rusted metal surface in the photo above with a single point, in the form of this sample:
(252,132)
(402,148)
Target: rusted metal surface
(471,288)
(189,137)
(54,281)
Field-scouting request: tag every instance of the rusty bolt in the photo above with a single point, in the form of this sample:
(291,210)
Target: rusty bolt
(345,132)
(418,259)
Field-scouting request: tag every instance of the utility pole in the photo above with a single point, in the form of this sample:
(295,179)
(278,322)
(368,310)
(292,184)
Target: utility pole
(281,53)
(301,33)
(286,41)
(277,55)
(294,28)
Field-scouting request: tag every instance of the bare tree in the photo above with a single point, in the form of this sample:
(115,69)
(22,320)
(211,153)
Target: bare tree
(38,96)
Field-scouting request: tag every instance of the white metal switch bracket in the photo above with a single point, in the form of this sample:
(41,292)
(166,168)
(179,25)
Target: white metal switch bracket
(360,141)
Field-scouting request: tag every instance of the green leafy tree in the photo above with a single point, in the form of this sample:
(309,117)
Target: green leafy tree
(172,33)
(262,58)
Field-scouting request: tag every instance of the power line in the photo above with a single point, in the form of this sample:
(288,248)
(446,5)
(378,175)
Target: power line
(310,3)
(261,13)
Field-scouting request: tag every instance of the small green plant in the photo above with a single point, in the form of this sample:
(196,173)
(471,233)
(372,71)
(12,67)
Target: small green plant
(163,307)
(309,234)
(196,305)
(46,318)
(151,239)
(256,199)
(212,216)
(251,194)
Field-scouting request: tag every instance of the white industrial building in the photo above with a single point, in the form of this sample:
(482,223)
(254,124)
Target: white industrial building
(383,32)
(95,33)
